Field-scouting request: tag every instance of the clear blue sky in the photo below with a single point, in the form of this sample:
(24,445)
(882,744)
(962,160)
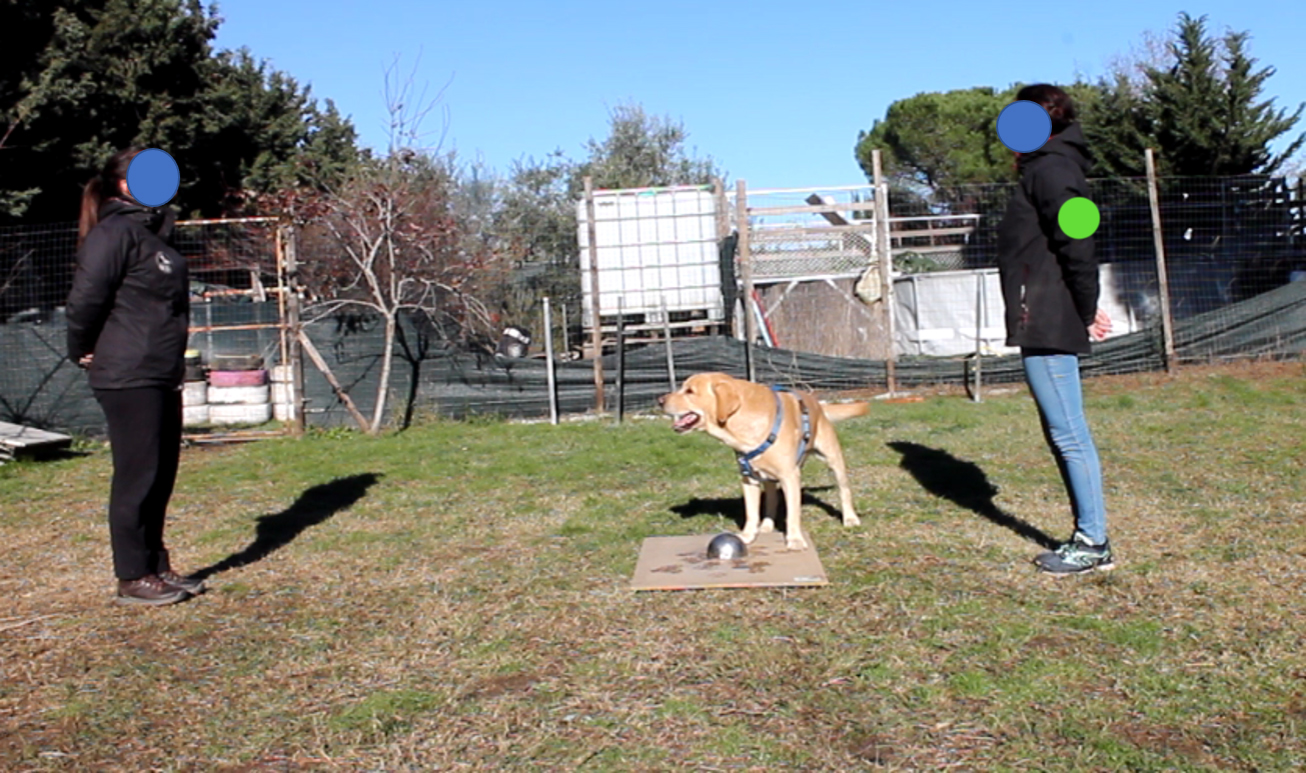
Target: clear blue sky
(774,92)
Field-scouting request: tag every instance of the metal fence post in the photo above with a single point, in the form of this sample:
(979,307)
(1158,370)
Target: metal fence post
(979,333)
(671,359)
(621,361)
(548,360)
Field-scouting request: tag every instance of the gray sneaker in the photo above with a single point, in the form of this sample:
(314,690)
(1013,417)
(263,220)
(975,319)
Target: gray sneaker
(1076,557)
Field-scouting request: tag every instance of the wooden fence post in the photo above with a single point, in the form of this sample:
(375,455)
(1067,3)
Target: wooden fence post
(596,332)
(1162,276)
(293,326)
(885,247)
(746,266)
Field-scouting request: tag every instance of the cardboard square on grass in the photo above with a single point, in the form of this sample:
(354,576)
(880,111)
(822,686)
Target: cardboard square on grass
(681,563)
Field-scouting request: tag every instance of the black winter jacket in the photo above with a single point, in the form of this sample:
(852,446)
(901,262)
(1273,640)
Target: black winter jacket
(130,301)
(1049,280)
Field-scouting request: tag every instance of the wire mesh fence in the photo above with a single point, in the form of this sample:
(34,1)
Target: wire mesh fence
(1222,241)
(1233,250)
(236,293)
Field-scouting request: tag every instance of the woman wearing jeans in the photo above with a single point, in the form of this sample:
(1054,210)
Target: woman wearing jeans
(1050,289)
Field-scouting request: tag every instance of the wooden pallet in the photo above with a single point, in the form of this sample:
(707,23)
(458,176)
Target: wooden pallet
(18,440)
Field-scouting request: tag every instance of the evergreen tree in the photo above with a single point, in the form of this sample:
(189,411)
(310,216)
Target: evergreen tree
(91,77)
(1201,110)
(1204,111)
(940,140)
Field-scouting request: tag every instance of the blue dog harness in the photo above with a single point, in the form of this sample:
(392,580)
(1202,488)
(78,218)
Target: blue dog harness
(746,460)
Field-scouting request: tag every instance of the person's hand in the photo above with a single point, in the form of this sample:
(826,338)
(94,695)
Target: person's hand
(1101,325)
(85,361)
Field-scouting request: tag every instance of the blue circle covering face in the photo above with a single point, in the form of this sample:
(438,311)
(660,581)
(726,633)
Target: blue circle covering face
(153,177)
(1024,126)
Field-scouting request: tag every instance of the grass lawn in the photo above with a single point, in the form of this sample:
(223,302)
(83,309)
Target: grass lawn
(456,597)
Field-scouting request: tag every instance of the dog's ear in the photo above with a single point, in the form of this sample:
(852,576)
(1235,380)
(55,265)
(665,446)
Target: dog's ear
(727,400)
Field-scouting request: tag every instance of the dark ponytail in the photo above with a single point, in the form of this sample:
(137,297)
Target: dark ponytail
(1055,101)
(103,186)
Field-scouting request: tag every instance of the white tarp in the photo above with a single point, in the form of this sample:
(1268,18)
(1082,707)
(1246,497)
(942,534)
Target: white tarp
(941,313)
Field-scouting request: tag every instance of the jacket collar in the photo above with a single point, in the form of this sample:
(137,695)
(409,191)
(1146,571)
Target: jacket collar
(160,220)
(1069,143)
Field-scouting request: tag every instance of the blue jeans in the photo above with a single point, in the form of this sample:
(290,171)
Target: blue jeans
(1053,378)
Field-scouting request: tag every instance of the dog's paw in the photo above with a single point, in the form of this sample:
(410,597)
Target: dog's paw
(768,526)
(851,520)
(747,536)
(795,542)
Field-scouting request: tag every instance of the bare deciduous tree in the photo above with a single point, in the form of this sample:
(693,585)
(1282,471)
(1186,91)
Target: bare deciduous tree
(394,246)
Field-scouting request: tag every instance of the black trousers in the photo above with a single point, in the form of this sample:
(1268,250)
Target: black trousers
(145,437)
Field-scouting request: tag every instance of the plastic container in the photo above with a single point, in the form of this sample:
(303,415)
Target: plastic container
(193,415)
(238,395)
(240,414)
(237,378)
(194,393)
(281,393)
(236,362)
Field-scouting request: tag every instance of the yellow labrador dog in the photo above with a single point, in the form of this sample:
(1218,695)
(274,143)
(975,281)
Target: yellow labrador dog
(771,429)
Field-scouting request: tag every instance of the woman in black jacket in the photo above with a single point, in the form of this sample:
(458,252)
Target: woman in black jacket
(1050,290)
(128,318)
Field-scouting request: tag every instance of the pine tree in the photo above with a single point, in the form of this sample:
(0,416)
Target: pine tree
(95,76)
(1203,113)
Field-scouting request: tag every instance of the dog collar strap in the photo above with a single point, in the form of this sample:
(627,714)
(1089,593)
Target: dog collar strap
(807,424)
(745,460)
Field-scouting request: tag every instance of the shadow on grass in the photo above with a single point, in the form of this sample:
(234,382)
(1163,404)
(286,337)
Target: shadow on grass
(965,484)
(276,530)
(733,507)
(54,455)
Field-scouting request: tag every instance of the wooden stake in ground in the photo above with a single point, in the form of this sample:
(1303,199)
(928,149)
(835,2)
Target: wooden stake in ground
(321,364)
(596,320)
(1162,276)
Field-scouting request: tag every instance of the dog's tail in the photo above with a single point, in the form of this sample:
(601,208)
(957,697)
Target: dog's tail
(841,411)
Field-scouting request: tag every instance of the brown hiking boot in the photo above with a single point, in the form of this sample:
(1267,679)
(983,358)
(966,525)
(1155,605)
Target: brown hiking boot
(189,584)
(192,586)
(149,590)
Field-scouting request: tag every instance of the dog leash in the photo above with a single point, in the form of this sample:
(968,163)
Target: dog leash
(746,460)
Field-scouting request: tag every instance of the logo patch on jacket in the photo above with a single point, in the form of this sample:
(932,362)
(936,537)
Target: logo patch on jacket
(162,261)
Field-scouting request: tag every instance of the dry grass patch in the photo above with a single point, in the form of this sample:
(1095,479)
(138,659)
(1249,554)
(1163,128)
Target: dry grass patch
(455,597)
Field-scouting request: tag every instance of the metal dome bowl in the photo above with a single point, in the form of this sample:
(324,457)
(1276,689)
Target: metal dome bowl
(726,547)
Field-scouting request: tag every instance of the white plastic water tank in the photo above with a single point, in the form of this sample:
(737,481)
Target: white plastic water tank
(653,245)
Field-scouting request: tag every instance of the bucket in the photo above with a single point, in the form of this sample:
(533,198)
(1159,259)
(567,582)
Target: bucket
(514,342)
(194,393)
(194,415)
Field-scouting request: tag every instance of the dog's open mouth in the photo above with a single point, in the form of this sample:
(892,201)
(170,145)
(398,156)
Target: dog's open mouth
(686,421)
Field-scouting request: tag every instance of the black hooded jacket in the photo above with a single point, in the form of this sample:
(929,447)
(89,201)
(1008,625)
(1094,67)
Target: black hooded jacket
(1049,280)
(130,301)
